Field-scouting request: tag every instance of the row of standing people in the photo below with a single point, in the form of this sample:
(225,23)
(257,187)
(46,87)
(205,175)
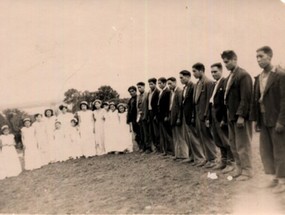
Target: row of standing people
(53,139)
(191,123)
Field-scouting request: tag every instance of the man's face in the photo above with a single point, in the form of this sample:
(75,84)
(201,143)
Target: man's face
(141,89)
(132,93)
(184,79)
(161,85)
(171,85)
(216,73)
(197,74)
(263,59)
(152,85)
(230,64)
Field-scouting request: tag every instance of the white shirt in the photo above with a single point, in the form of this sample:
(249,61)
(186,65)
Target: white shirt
(150,94)
(172,98)
(215,91)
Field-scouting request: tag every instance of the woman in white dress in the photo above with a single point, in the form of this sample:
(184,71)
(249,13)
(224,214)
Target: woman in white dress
(32,156)
(49,122)
(65,117)
(125,130)
(11,163)
(99,118)
(60,143)
(87,130)
(112,130)
(75,139)
(41,138)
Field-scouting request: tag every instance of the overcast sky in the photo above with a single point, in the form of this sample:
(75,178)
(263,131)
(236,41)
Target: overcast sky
(50,46)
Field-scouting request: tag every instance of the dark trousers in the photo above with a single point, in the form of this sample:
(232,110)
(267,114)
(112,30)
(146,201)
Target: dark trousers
(154,131)
(240,142)
(181,149)
(221,139)
(272,151)
(144,131)
(166,143)
(206,140)
(136,130)
(191,136)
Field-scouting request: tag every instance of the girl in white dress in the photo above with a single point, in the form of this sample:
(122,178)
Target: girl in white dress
(49,122)
(60,144)
(41,138)
(32,155)
(87,130)
(65,117)
(74,138)
(11,165)
(99,118)
(112,127)
(125,130)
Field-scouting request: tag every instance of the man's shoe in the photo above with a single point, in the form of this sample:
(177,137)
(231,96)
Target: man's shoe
(202,163)
(229,168)
(243,178)
(187,160)
(220,166)
(210,164)
(237,172)
(280,188)
(147,151)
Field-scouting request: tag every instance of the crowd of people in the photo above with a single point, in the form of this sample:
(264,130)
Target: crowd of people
(50,138)
(188,124)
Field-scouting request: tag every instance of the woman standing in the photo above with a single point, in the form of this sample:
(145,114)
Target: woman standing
(99,118)
(49,122)
(87,130)
(75,140)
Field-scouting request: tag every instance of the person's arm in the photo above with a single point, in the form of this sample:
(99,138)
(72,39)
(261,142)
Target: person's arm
(281,117)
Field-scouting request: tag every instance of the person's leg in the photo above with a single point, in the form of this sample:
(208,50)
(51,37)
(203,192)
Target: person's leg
(162,138)
(169,140)
(147,143)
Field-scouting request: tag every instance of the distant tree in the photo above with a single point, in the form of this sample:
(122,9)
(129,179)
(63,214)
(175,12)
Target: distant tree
(71,96)
(106,93)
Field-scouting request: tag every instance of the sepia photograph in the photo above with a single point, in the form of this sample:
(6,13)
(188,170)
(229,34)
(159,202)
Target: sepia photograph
(142,107)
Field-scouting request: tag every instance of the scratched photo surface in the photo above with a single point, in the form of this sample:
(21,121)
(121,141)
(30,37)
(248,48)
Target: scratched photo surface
(50,47)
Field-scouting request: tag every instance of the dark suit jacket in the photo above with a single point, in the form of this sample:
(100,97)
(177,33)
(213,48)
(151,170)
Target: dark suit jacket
(132,110)
(188,103)
(238,98)
(273,99)
(202,105)
(154,101)
(163,105)
(144,106)
(175,112)
(219,107)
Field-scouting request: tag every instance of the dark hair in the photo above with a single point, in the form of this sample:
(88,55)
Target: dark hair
(80,106)
(171,79)
(132,88)
(199,67)
(47,111)
(229,54)
(266,50)
(152,80)
(162,79)
(74,120)
(185,73)
(62,106)
(37,114)
(141,84)
(219,65)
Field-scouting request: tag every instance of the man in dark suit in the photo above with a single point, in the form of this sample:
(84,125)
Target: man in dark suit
(153,95)
(188,120)
(218,119)
(237,99)
(202,94)
(180,146)
(268,110)
(132,114)
(165,133)
(142,118)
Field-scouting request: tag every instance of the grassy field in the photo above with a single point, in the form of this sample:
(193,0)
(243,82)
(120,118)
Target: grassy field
(131,183)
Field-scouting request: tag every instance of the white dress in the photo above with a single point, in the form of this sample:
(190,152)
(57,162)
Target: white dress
(86,125)
(75,142)
(125,134)
(2,170)
(32,155)
(112,132)
(60,145)
(42,141)
(50,127)
(99,116)
(65,120)
(10,159)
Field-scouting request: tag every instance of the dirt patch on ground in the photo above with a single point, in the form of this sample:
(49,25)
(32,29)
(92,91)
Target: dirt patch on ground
(131,183)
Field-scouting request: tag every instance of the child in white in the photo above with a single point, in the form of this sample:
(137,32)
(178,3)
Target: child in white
(74,138)
(99,118)
(60,144)
(125,130)
(31,152)
(11,163)
(49,122)
(41,138)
